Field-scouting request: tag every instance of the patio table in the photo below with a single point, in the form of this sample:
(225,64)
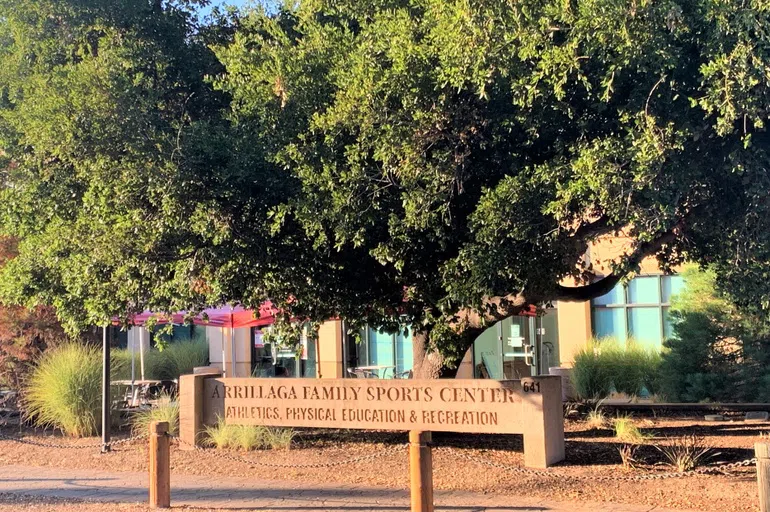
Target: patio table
(376,369)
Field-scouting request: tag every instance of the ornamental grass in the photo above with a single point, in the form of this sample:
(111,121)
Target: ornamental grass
(64,390)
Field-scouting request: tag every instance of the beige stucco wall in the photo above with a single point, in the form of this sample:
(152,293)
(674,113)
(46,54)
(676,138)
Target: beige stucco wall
(465,370)
(220,338)
(330,354)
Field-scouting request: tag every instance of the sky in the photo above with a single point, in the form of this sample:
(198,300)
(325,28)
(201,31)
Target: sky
(236,3)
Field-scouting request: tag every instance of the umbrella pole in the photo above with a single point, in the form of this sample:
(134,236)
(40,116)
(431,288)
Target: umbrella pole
(133,362)
(141,351)
(224,354)
(232,348)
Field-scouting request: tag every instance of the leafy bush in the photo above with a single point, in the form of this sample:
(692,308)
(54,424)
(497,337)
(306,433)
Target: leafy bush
(166,409)
(248,437)
(64,390)
(718,353)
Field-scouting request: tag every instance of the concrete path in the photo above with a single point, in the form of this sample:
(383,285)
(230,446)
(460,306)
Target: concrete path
(268,495)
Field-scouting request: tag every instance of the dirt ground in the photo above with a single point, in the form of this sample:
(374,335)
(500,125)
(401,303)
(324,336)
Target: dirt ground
(590,453)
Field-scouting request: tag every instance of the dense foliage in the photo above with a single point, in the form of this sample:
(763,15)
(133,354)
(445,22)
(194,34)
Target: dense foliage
(24,333)
(719,352)
(437,163)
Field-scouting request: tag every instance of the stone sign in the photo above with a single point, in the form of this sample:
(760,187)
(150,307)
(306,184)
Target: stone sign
(530,406)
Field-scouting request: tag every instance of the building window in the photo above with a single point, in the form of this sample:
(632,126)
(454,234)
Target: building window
(638,310)
(390,351)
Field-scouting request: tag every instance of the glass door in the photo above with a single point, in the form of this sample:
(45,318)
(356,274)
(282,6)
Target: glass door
(520,354)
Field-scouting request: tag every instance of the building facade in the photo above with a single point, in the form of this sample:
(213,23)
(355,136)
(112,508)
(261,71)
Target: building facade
(516,347)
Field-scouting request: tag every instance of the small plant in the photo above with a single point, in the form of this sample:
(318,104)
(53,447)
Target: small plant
(596,418)
(627,431)
(687,453)
(220,435)
(279,438)
(628,455)
(64,391)
(166,409)
(249,437)
(571,410)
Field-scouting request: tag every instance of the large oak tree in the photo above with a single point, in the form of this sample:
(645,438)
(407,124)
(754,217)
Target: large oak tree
(439,164)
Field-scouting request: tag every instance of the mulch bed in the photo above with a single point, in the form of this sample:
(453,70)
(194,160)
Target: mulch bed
(590,453)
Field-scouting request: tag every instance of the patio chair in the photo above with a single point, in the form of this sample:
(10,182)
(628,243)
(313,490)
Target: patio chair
(355,373)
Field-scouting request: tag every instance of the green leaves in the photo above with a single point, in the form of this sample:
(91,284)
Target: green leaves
(391,162)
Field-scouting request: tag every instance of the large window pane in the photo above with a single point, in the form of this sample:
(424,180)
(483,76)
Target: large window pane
(644,290)
(615,296)
(610,322)
(487,355)
(671,286)
(404,353)
(644,326)
(380,348)
(668,324)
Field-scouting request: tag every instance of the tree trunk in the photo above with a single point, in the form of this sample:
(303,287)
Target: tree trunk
(429,364)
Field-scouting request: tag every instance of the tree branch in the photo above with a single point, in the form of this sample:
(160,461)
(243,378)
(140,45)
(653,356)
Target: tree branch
(498,308)
(607,283)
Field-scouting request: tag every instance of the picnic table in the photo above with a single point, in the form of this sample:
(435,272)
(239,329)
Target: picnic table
(137,391)
(373,372)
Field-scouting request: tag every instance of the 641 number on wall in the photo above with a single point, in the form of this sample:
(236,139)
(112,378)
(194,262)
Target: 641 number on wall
(530,387)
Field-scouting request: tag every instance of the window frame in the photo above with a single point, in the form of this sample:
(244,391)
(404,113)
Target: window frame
(626,305)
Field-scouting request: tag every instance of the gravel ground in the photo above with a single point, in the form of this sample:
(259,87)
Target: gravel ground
(12,502)
(590,453)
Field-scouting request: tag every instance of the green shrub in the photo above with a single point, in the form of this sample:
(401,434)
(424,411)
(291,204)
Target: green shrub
(716,350)
(166,409)
(178,358)
(606,365)
(64,390)
(591,375)
(183,356)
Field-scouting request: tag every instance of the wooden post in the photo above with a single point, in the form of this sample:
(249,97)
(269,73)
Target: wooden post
(421,470)
(160,471)
(762,453)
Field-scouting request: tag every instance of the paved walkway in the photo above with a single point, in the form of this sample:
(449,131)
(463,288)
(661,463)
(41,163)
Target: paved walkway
(268,495)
